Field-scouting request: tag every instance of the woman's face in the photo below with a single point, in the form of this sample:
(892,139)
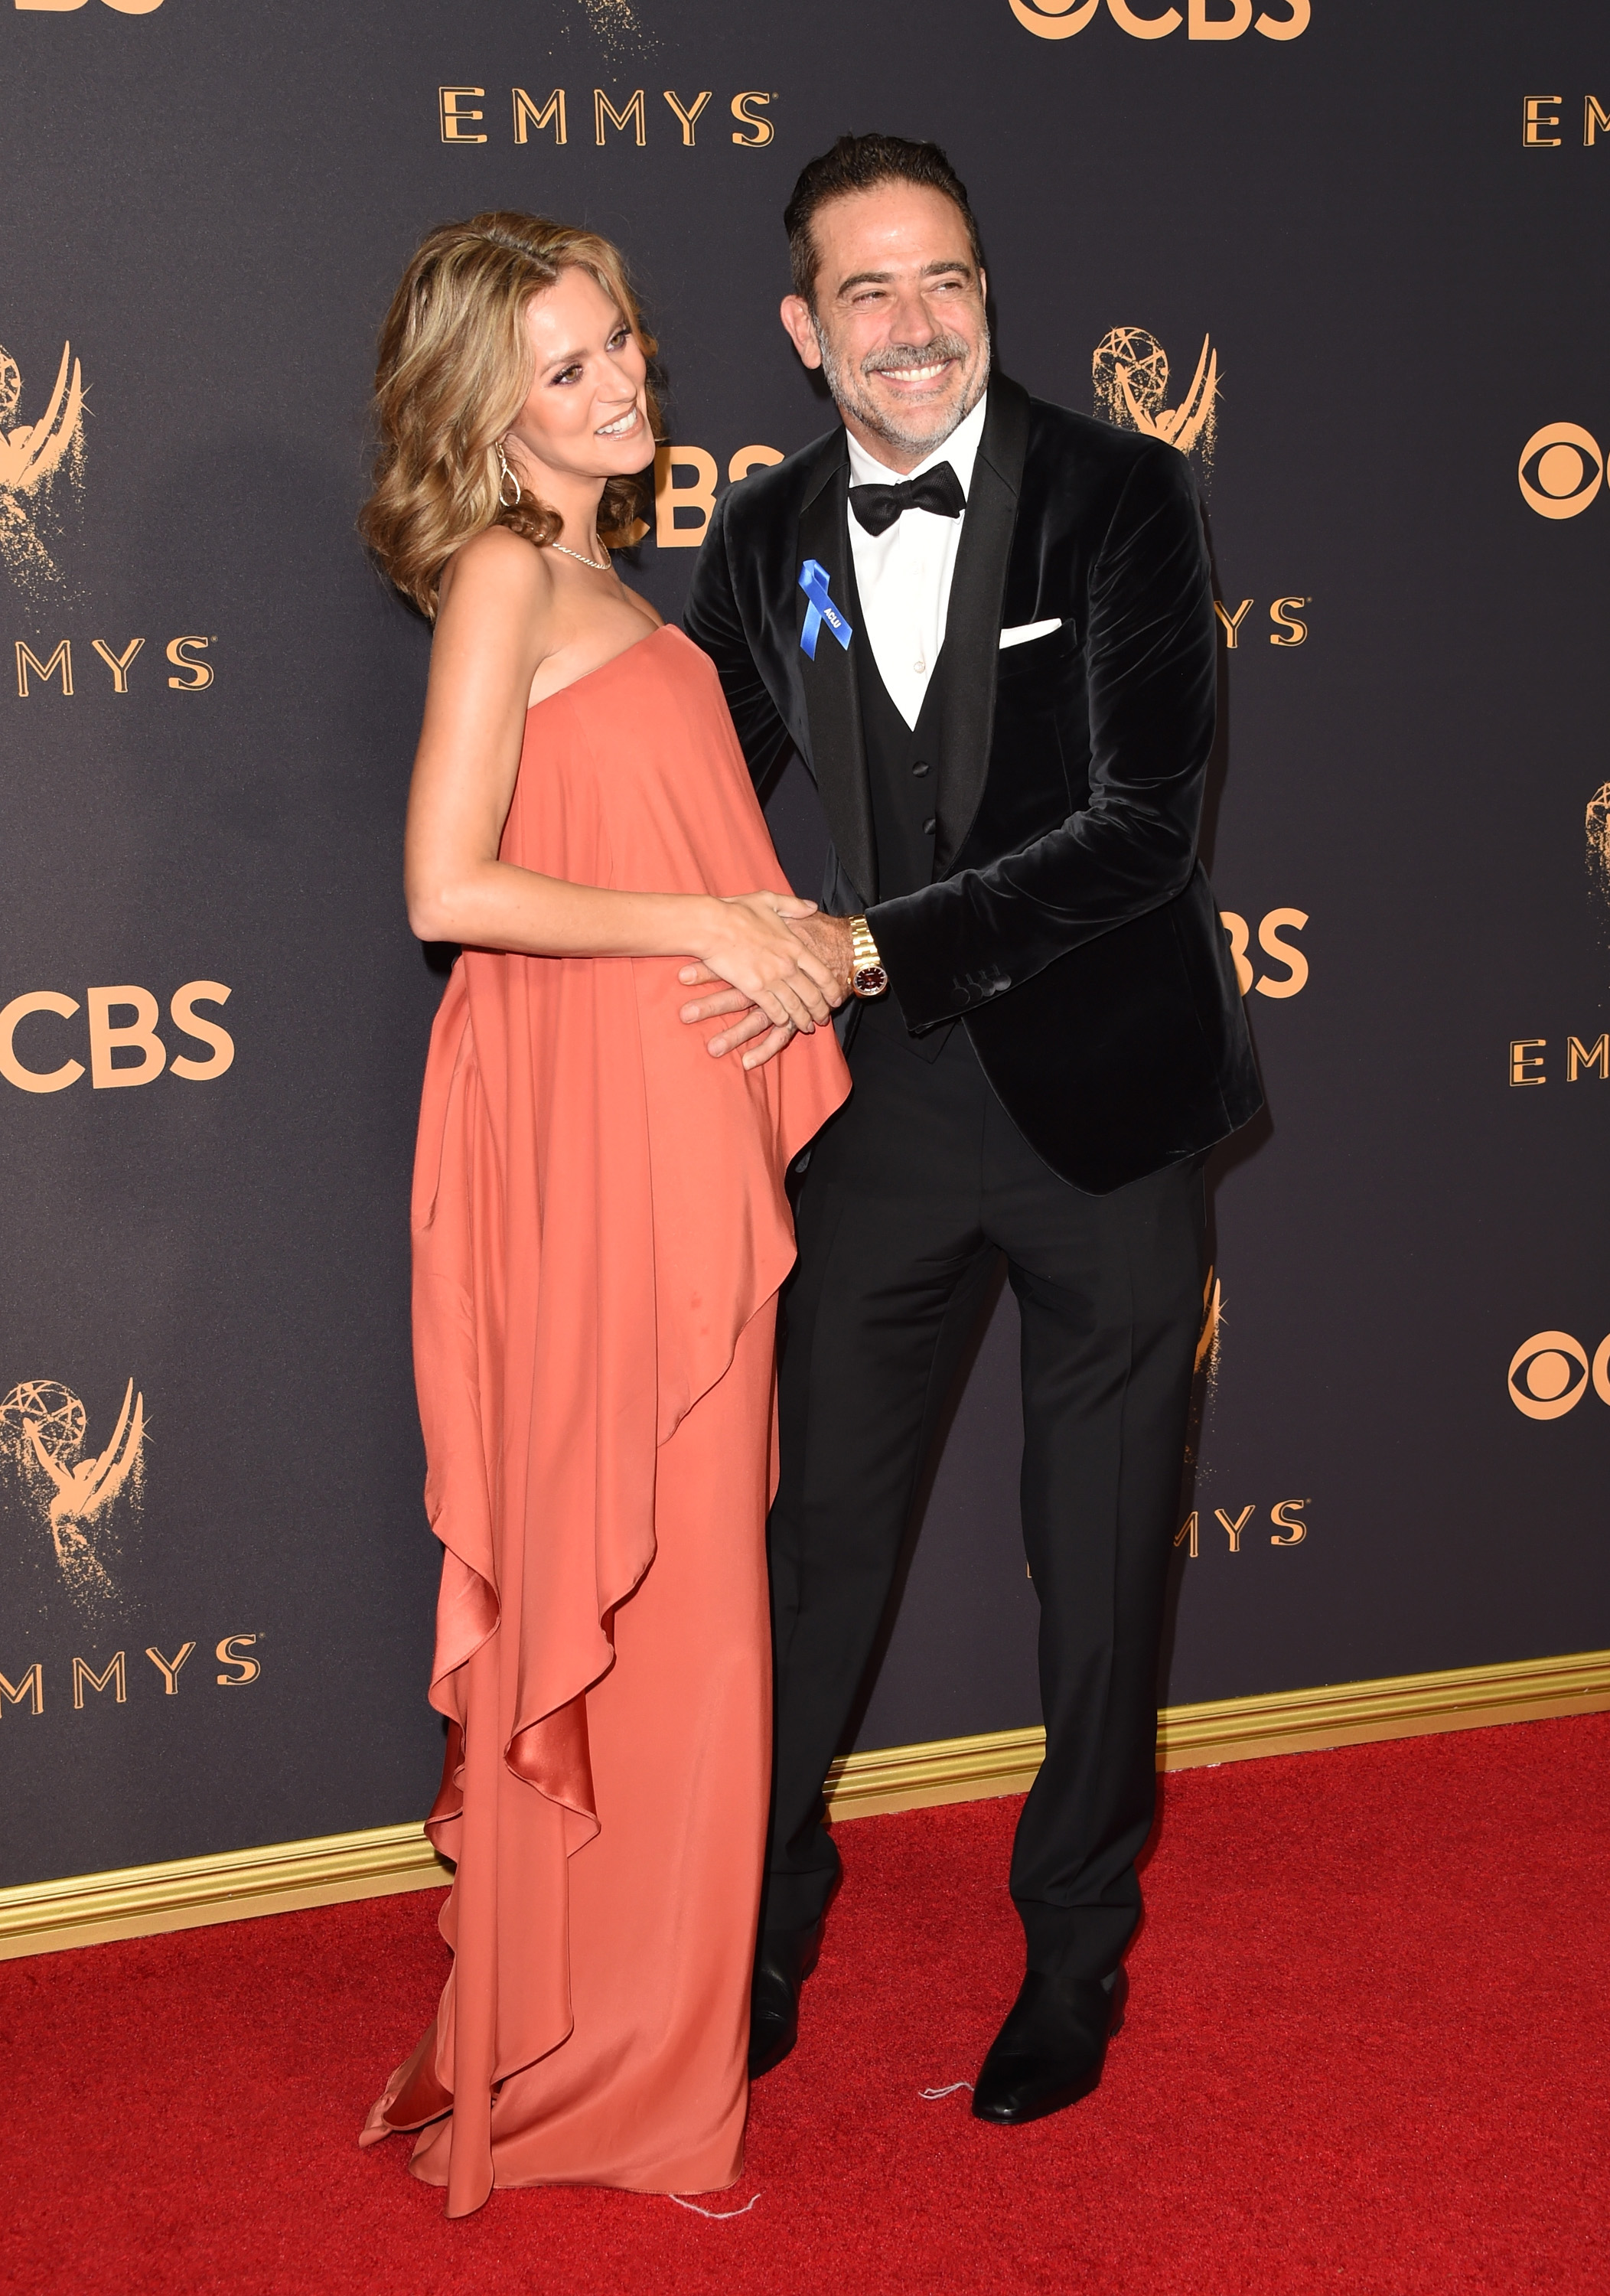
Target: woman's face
(587,415)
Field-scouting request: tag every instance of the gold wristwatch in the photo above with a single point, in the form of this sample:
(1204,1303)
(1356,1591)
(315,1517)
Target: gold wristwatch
(868,975)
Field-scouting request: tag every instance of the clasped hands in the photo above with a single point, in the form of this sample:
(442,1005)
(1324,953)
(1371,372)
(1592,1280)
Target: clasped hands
(784,966)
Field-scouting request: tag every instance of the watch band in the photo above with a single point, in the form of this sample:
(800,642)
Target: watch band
(869,976)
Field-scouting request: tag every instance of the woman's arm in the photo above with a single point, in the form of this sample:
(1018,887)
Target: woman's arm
(498,622)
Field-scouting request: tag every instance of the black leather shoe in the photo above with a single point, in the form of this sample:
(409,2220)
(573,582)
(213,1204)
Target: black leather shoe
(783,1960)
(1051,2048)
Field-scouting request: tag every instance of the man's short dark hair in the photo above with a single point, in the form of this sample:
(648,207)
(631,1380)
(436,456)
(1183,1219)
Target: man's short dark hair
(857,163)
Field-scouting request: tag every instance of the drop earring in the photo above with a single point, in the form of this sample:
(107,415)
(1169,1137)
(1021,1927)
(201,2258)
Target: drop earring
(508,478)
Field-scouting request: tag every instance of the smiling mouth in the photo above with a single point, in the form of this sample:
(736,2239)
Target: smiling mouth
(621,426)
(929,373)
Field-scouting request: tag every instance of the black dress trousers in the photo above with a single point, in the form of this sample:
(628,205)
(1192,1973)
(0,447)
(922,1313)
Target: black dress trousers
(910,1192)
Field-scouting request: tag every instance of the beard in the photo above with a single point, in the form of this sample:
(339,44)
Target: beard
(848,388)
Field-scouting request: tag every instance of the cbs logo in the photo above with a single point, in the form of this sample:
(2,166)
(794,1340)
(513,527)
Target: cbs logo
(1294,980)
(1059,20)
(1549,1373)
(1561,469)
(682,506)
(108,1038)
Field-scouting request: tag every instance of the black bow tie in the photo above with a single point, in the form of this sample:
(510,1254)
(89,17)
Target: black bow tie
(938,490)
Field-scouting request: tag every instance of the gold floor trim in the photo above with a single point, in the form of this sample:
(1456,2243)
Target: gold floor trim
(1237,1730)
(188,1892)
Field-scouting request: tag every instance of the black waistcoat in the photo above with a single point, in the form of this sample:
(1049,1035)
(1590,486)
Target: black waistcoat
(902,769)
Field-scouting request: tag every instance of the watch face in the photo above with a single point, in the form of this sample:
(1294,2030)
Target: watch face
(869,981)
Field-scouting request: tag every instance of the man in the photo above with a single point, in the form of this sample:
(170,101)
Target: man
(986,625)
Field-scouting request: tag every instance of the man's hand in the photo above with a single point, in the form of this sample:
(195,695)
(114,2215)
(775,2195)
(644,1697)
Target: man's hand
(751,1021)
(830,939)
(827,939)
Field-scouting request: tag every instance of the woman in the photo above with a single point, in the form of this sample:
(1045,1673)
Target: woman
(599,1231)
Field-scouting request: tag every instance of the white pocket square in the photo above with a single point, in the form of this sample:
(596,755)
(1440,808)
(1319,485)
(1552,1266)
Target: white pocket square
(1025,631)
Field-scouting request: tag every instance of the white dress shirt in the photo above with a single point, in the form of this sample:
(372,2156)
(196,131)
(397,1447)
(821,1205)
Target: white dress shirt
(903,575)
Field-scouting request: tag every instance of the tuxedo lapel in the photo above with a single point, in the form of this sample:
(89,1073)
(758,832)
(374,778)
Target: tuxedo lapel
(832,703)
(972,633)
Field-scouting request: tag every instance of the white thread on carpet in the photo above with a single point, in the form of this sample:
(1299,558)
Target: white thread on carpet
(934,2094)
(716,2216)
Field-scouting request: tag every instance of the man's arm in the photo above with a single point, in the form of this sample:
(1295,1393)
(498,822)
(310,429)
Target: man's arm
(711,620)
(1150,666)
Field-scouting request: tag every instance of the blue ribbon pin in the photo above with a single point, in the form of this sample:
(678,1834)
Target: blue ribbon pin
(813,582)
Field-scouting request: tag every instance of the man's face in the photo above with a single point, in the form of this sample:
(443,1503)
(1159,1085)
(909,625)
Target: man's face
(899,329)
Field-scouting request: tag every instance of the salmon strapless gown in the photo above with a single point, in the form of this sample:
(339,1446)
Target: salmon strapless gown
(599,1230)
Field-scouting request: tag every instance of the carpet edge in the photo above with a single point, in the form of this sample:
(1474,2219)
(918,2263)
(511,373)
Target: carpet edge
(283,1877)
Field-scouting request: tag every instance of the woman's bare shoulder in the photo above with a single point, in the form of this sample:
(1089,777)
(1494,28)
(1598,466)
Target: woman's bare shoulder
(498,598)
(497,560)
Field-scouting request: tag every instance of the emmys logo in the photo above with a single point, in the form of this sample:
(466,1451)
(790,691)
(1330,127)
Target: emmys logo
(75,1496)
(51,669)
(1212,1334)
(240,1653)
(1549,1373)
(1290,1526)
(1599,840)
(461,114)
(1206,20)
(1541,114)
(1130,373)
(1289,615)
(1561,469)
(33,457)
(1529,1059)
(1286,1516)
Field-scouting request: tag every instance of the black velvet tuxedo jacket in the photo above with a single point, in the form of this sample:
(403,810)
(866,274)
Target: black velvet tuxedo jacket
(1069,923)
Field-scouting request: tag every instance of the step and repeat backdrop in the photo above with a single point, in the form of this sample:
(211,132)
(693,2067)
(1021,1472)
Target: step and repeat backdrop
(1340,253)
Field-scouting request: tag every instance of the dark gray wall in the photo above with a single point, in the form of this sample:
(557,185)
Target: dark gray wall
(212,208)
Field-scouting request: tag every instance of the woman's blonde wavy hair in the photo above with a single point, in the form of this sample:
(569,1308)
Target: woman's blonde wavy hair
(454,370)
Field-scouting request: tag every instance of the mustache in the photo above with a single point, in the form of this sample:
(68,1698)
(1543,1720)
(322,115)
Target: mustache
(932,353)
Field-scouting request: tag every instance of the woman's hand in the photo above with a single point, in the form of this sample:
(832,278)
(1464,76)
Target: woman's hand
(750,947)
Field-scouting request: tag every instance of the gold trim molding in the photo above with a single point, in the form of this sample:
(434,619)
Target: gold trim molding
(285,1877)
(188,1893)
(1237,1730)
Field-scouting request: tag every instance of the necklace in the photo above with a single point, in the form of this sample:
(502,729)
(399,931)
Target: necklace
(598,565)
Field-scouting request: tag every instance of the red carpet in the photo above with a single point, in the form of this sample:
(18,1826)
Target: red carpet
(1367,2050)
